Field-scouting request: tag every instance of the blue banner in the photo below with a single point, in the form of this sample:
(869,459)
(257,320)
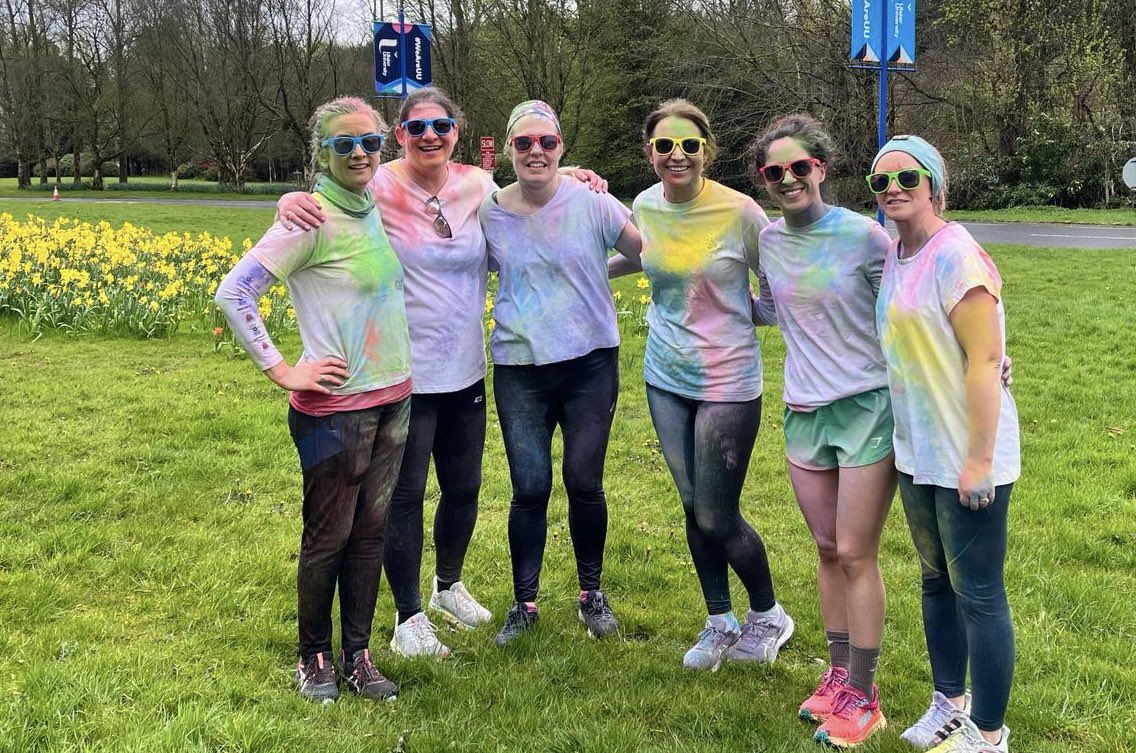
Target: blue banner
(901,32)
(402,58)
(867,36)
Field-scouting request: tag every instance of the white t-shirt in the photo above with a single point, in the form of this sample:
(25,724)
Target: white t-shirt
(553,298)
(444,277)
(927,366)
(824,279)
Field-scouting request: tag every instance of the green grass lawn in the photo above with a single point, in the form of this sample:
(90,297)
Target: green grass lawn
(149,503)
(1047,214)
(153,187)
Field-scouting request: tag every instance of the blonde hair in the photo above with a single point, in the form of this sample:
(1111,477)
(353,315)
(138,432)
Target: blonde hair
(320,122)
(682,108)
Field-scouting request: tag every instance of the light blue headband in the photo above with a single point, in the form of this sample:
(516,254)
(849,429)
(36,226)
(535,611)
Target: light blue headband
(921,150)
(532,107)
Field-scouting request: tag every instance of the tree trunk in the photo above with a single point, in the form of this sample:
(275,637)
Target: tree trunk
(42,170)
(97,177)
(23,173)
(77,166)
(123,168)
(174,179)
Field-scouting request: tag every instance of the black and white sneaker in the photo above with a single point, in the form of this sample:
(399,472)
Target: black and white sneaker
(361,675)
(596,614)
(519,619)
(316,678)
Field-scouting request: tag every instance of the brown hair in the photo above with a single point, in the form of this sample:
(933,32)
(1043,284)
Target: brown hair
(431,95)
(682,108)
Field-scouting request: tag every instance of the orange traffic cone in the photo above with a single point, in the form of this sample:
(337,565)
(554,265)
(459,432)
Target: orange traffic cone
(55,194)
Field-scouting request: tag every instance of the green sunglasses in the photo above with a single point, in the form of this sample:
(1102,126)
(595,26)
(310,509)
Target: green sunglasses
(907,179)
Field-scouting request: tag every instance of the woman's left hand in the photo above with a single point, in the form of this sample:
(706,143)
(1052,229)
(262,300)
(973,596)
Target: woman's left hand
(976,484)
(1007,371)
(584,175)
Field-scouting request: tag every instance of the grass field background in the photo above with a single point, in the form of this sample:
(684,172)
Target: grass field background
(149,508)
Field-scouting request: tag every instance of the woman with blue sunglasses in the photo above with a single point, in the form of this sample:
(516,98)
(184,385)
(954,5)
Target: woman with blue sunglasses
(429,206)
(349,391)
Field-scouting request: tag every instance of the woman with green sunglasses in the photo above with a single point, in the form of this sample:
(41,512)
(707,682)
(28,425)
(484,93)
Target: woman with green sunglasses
(942,328)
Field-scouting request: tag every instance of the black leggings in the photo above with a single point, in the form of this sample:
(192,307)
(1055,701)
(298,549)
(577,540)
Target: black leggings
(450,427)
(707,448)
(350,461)
(579,395)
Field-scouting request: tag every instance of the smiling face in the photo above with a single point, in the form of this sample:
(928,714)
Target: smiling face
(428,152)
(535,166)
(354,171)
(680,173)
(797,197)
(900,205)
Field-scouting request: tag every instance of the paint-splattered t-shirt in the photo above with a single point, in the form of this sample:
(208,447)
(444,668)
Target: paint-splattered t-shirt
(445,277)
(927,366)
(701,343)
(824,278)
(553,299)
(345,282)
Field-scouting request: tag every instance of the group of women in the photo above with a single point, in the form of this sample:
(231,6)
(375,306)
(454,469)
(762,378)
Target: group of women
(892,374)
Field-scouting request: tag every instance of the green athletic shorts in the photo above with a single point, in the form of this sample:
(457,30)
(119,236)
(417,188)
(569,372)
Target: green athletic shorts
(853,431)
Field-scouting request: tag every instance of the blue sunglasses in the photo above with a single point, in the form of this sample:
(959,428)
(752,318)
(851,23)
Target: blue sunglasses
(344,145)
(440,126)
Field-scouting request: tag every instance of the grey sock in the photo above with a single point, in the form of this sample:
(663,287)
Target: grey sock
(862,668)
(837,648)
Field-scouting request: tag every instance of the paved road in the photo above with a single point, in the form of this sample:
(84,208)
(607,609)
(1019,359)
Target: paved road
(1050,235)
(1028,234)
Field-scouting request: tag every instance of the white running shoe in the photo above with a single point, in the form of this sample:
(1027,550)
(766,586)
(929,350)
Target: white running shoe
(940,720)
(459,608)
(967,739)
(416,637)
(762,638)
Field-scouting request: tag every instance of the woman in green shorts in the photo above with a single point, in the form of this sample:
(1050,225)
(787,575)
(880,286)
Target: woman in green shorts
(819,274)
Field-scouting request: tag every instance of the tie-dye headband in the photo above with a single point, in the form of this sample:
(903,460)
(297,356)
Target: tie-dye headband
(532,107)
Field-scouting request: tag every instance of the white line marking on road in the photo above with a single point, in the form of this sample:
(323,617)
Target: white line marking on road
(1087,237)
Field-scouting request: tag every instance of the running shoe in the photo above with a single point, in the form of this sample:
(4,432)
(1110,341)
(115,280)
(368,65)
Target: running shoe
(714,640)
(967,739)
(940,720)
(417,637)
(361,675)
(762,637)
(520,619)
(596,614)
(854,718)
(818,706)
(458,607)
(316,678)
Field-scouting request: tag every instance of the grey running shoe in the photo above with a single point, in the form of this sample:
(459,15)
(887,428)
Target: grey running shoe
(519,619)
(417,637)
(458,607)
(762,638)
(712,643)
(596,614)
(940,720)
(316,678)
(362,677)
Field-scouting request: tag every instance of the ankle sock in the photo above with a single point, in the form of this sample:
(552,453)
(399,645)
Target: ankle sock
(837,648)
(445,585)
(862,667)
(404,617)
(727,622)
